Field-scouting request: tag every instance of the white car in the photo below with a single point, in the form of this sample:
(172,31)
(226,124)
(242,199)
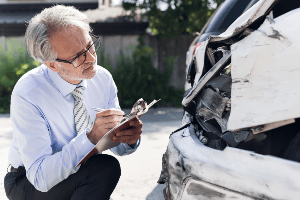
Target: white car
(240,133)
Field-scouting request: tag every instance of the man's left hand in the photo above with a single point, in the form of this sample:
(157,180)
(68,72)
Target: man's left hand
(130,136)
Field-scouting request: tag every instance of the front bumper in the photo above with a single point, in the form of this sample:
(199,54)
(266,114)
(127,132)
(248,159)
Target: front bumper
(194,171)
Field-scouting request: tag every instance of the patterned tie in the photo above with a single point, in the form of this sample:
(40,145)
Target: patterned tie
(81,116)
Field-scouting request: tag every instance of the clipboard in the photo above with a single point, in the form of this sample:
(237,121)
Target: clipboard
(138,109)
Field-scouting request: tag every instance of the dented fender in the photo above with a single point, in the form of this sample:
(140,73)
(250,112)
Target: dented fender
(254,176)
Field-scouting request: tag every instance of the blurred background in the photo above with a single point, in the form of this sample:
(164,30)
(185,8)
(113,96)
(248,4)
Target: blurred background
(143,43)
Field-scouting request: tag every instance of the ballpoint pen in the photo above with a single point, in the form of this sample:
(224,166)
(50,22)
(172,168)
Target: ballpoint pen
(101,109)
(98,109)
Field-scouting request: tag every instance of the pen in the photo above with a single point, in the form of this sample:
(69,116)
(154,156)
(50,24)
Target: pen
(101,109)
(98,109)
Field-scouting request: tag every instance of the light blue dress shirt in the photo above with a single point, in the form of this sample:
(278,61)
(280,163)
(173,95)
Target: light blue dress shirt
(44,134)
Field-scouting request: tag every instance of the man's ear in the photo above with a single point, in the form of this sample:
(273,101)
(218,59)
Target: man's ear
(51,65)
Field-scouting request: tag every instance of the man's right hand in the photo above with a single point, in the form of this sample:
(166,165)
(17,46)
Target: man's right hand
(104,121)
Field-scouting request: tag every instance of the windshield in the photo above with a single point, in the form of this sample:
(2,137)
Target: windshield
(226,15)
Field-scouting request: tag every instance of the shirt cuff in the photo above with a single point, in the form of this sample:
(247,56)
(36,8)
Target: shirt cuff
(124,149)
(82,145)
(132,146)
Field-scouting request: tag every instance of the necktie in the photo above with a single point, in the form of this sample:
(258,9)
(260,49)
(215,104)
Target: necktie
(81,116)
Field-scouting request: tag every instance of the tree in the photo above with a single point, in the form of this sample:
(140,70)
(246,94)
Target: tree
(181,16)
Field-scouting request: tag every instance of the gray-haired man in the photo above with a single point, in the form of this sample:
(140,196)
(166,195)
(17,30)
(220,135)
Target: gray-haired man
(53,123)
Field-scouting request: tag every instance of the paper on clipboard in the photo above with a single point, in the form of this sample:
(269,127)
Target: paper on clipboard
(138,109)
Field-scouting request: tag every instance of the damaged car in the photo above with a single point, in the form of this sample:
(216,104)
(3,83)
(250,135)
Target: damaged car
(240,133)
(219,21)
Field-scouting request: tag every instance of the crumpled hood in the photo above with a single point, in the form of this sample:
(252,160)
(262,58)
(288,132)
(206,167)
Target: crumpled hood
(265,73)
(240,24)
(264,68)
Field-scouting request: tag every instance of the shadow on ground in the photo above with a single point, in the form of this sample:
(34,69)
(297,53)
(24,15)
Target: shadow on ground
(156,193)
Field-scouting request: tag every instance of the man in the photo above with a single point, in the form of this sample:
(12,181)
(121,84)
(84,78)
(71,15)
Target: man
(53,123)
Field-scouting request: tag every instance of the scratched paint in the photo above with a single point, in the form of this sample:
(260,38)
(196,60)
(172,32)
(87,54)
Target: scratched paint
(268,63)
(256,176)
(195,171)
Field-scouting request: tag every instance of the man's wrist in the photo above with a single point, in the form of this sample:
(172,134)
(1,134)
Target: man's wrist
(89,135)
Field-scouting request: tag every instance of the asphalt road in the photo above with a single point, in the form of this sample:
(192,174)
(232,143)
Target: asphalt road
(140,170)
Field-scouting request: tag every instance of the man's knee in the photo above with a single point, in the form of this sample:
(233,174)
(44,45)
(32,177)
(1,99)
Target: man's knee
(106,166)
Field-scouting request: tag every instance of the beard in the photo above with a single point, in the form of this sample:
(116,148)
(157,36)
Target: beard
(76,75)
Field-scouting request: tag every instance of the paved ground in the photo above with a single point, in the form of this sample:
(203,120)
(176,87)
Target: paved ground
(140,171)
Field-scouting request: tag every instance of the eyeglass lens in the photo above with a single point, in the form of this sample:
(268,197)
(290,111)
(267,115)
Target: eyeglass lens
(93,49)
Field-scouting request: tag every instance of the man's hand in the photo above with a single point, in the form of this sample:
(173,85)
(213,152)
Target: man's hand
(131,135)
(104,121)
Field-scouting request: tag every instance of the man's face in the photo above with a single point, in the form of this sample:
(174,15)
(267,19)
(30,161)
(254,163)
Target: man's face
(68,45)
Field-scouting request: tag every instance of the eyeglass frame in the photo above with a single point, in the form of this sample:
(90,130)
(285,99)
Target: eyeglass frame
(88,49)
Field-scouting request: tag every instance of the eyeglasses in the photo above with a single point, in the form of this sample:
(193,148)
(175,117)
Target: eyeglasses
(80,59)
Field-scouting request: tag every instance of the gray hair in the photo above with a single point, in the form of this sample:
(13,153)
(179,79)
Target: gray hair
(51,20)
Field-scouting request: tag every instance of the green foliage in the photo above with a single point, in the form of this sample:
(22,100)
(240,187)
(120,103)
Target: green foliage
(103,60)
(136,78)
(14,62)
(134,75)
(181,16)
(128,5)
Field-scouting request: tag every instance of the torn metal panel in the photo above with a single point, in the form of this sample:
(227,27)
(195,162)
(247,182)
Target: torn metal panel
(221,82)
(210,126)
(211,105)
(223,122)
(199,59)
(205,115)
(212,100)
(223,50)
(198,86)
(206,118)
(247,18)
(265,74)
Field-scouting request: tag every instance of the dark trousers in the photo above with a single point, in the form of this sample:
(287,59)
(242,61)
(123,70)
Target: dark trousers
(96,179)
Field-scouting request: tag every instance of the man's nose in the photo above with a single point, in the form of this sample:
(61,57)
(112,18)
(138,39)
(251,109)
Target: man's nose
(90,57)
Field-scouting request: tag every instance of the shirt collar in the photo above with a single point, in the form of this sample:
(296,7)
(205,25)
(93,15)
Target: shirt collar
(63,86)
